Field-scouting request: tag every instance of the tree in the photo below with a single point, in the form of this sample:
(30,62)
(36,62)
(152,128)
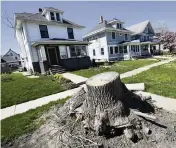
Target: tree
(168,39)
(7,20)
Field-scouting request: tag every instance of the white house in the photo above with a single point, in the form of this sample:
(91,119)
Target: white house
(111,41)
(106,38)
(48,40)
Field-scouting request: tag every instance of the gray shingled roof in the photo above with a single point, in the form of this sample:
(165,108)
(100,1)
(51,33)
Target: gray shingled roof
(51,8)
(99,26)
(102,25)
(39,17)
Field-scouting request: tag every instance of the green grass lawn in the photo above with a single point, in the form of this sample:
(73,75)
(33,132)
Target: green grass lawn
(24,123)
(160,80)
(22,89)
(121,67)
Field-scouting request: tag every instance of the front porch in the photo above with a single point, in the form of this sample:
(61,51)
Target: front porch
(65,56)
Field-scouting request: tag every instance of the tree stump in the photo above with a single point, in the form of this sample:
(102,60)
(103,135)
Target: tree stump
(104,103)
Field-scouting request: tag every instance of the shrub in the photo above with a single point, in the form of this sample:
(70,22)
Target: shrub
(61,79)
(6,77)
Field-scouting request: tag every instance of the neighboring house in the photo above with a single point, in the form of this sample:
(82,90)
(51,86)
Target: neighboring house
(142,39)
(48,40)
(111,41)
(12,58)
(106,38)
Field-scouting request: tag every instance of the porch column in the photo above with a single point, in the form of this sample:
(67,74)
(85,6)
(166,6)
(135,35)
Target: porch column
(68,52)
(140,49)
(149,48)
(128,51)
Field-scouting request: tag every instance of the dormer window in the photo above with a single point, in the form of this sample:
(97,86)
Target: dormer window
(58,17)
(52,16)
(117,25)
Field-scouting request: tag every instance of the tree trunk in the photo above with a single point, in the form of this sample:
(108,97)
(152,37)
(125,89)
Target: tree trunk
(104,101)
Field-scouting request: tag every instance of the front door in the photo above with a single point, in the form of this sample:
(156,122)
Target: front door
(52,55)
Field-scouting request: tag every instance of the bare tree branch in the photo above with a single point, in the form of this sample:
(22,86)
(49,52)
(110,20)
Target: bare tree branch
(6,20)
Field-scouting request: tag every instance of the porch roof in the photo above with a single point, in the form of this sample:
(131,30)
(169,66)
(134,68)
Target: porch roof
(138,43)
(59,42)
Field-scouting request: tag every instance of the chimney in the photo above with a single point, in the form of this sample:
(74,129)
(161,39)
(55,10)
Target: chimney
(101,19)
(40,10)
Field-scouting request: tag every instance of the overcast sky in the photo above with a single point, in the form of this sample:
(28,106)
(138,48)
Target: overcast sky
(88,13)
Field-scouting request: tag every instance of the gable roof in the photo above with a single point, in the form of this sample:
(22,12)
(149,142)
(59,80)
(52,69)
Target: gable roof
(12,51)
(103,26)
(40,18)
(139,28)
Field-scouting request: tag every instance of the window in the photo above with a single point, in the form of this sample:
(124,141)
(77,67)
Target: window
(116,49)
(43,31)
(121,49)
(16,58)
(120,34)
(102,51)
(70,33)
(113,35)
(52,16)
(94,52)
(126,37)
(11,54)
(125,49)
(72,51)
(111,50)
(118,25)
(58,17)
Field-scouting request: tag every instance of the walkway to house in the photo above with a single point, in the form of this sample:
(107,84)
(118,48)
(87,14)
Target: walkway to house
(75,78)
(167,103)
(23,107)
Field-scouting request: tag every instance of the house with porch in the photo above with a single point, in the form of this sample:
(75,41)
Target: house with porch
(49,41)
(143,38)
(106,38)
(110,40)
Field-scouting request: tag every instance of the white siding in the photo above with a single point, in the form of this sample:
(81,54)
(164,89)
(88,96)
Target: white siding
(97,45)
(53,31)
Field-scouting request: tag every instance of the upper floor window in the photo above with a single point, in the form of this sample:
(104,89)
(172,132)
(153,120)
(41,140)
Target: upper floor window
(94,54)
(11,54)
(43,31)
(52,15)
(126,37)
(102,51)
(113,35)
(70,33)
(57,16)
(111,50)
(146,30)
(118,26)
(116,49)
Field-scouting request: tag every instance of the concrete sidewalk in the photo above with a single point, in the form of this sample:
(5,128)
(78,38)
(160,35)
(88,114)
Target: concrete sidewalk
(166,103)
(75,78)
(141,69)
(23,107)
